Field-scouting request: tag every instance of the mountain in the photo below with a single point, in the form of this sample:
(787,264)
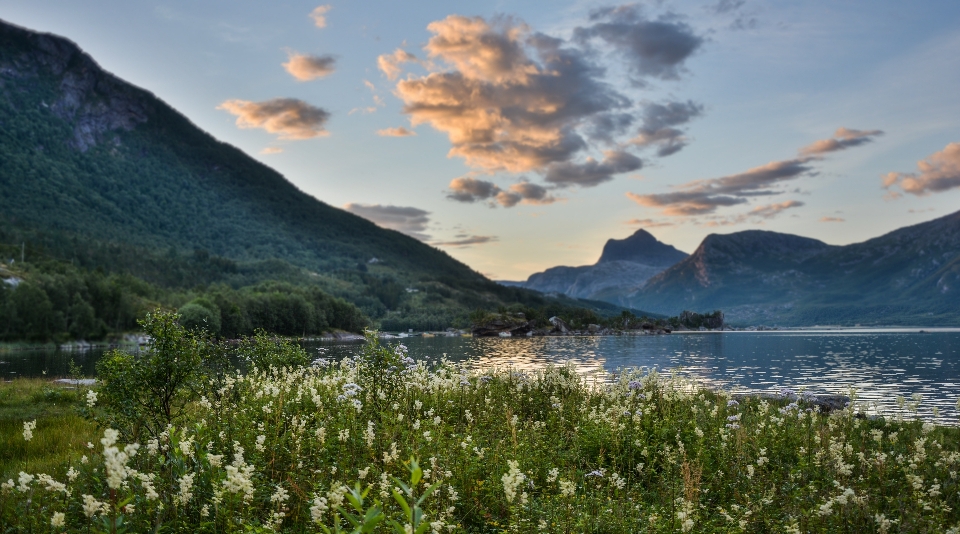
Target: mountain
(108,178)
(624,263)
(908,276)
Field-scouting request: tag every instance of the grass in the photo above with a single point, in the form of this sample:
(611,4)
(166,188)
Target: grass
(280,447)
(61,433)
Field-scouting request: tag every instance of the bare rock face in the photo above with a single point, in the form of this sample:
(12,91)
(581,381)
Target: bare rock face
(94,101)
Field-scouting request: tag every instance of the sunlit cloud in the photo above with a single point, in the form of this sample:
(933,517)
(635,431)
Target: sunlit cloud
(842,139)
(271,150)
(937,173)
(390,64)
(288,117)
(514,100)
(306,67)
(399,131)
(319,15)
(832,219)
(408,220)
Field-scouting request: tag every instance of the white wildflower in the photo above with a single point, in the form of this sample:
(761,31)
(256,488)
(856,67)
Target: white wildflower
(28,428)
(58,519)
(512,480)
(91,398)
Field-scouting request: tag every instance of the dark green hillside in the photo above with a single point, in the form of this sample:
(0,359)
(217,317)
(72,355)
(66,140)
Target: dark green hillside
(110,187)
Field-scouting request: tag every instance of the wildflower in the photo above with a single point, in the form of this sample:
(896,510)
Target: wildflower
(152,447)
(72,474)
(91,506)
(426,436)
(552,475)
(260,440)
(24,481)
(512,480)
(7,486)
(214,459)
(368,434)
(28,427)
(91,398)
(58,519)
(316,510)
(280,496)
(732,403)
(186,487)
(205,511)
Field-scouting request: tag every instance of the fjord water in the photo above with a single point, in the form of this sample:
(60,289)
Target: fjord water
(879,365)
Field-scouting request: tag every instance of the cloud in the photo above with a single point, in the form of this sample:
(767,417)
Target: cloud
(727,6)
(939,172)
(772,210)
(469,189)
(757,214)
(466,241)
(410,221)
(832,219)
(399,131)
(701,197)
(271,150)
(653,48)
(306,67)
(510,100)
(389,64)
(842,139)
(319,15)
(660,123)
(648,223)
(592,172)
(288,117)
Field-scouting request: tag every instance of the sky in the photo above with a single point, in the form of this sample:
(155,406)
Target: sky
(518,136)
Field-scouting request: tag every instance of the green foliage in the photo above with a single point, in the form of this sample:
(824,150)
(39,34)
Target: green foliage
(140,395)
(290,448)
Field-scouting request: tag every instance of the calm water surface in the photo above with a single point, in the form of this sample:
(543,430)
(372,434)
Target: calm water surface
(879,365)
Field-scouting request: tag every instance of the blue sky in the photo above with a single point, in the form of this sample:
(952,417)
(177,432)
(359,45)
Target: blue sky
(544,128)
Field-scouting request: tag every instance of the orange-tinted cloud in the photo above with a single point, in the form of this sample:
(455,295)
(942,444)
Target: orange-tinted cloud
(938,173)
(271,150)
(319,15)
(389,64)
(842,139)
(648,223)
(306,67)
(288,117)
(510,100)
(832,219)
(399,131)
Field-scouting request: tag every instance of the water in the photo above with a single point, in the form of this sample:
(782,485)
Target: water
(879,365)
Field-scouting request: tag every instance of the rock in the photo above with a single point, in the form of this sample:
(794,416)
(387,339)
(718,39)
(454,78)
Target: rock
(559,325)
(499,327)
(593,328)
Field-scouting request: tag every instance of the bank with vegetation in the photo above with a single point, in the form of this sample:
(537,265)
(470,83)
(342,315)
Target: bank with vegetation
(298,443)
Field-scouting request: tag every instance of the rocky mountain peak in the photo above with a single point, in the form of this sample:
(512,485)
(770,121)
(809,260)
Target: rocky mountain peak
(93,100)
(641,247)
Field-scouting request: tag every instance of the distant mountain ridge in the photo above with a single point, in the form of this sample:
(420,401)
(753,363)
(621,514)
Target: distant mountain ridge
(624,263)
(908,276)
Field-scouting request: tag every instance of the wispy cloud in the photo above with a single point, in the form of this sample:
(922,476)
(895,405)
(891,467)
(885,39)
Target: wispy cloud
(288,117)
(305,67)
(648,223)
(842,139)
(399,131)
(702,197)
(319,15)
(271,150)
(408,220)
(832,219)
(466,241)
(937,173)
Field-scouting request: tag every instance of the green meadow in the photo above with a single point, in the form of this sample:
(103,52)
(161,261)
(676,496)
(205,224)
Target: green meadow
(180,440)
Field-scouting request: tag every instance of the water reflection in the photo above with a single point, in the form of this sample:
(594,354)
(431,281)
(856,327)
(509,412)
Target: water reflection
(878,365)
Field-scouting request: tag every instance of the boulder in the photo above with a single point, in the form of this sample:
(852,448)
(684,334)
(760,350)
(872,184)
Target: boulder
(559,326)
